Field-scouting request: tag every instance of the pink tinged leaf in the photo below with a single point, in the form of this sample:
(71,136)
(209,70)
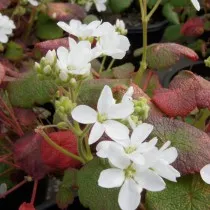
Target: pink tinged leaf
(192,144)
(186,93)
(65,11)
(193,27)
(4,4)
(26,117)
(27,154)
(165,55)
(43,47)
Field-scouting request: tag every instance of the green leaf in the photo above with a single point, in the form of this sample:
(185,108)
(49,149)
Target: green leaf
(65,195)
(47,28)
(172,33)
(124,71)
(90,194)
(180,3)
(14,51)
(118,6)
(30,90)
(189,193)
(193,145)
(168,12)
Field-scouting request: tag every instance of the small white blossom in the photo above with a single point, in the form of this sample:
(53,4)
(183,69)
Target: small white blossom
(128,149)
(6,27)
(50,57)
(196,4)
(33,2)
(82,31)
(132,177)
(205,173)
(104,119)
(76,60)
(110,42)
(120,27)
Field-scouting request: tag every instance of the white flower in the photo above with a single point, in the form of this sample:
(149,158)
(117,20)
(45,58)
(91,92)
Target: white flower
(6,27)
(196,4)
(113,45)
(76,60)
(128,149)
(33,2)
(205,173)
(105,119)
(82,31)
(132,179)
(120,27)
(100,5)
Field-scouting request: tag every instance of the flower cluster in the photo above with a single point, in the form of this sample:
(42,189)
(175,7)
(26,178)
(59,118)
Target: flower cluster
(135,164)
(76,61)
(6,27)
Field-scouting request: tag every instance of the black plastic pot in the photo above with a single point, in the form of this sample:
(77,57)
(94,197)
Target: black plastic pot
(198,68)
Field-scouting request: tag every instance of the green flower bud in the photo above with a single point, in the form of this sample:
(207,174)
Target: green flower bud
(47,70)
(62,125)
(207,62)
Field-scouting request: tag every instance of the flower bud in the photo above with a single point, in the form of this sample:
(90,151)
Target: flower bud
(47,70)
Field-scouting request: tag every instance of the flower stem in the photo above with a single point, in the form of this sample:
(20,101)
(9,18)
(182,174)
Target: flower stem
(145,19)
(34,191)
(30,23)
(13,189)
(102,64)
(58,147)
(110,65)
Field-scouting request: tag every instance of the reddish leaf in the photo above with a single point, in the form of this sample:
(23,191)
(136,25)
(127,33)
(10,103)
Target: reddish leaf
(4,4)
(27,154)
(165,55)
(186,92)
(26,117)
(55,158)
(26,206)
(193,27)
(193,145)
(65,11)
(2,73)
(43,47)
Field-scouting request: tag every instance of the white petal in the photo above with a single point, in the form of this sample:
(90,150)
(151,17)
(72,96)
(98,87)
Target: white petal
(105,100)
(111,178)
(165,146)
(96,133)
(150,181)
(84,114)
(120,111)
(137,158)
(102,149)
(166,171)
(169,155)
(117,156)
(62,54)
(129,196)
(205,173)
(64,26)
(196,4)
(116,130)
(128,95)
(141,132)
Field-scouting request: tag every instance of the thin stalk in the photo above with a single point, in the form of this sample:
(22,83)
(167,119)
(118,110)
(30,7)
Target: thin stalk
(6,172)
(102,64)
(13,189)
(34,192)
(145,19)
(58,147)
(30,23)
(110,65)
